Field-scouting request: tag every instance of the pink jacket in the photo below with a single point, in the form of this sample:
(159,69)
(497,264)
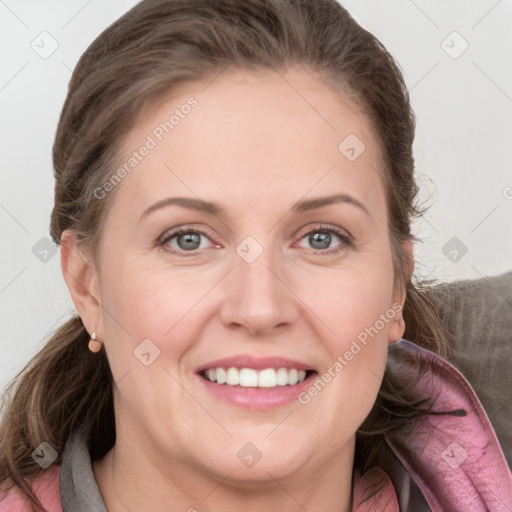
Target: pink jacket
(454,460)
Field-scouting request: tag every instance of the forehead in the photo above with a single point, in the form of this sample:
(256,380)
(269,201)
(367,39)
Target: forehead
(246,133)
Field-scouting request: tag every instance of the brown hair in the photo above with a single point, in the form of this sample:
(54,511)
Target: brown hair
(140,58)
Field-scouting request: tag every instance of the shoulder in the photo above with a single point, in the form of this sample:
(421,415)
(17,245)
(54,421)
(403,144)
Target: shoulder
(46,487)
(452,453)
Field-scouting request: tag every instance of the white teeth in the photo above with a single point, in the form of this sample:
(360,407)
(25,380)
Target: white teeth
(248,377)
(267,378)
(232,377)
(221,375)
(282,377)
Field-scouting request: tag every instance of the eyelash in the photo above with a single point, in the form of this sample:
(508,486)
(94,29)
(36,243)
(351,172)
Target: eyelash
(344,237)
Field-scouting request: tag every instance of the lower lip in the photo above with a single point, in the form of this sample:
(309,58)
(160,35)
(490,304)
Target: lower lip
(257,398)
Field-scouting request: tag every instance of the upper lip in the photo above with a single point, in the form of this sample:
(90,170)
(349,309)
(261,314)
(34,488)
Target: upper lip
(257,363)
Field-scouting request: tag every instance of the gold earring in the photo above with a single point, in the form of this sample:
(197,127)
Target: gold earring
(94,344)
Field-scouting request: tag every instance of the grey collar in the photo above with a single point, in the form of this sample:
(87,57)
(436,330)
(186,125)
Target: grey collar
(79,491)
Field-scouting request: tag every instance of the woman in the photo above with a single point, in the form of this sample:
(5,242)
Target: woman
(234,194)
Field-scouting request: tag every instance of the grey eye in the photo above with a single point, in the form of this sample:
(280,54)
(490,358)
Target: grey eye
(320,240)
(188,241)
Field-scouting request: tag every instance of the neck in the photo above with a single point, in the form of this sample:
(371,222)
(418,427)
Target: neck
(130,480)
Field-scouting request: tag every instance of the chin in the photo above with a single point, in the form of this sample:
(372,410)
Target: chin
(250,464)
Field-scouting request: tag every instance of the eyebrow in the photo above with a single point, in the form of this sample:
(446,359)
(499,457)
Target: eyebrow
(216,210)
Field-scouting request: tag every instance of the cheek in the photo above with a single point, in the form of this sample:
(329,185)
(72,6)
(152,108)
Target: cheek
(150,302)
(364,319)
(354,302)
(356,365)
(358,316)
(149,311)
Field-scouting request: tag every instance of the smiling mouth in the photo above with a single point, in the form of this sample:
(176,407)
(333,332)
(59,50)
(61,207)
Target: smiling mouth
(251,378)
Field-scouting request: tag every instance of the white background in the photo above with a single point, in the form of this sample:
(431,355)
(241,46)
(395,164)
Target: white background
(463,144)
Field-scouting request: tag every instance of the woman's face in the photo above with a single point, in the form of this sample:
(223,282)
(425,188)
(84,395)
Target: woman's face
(260,281)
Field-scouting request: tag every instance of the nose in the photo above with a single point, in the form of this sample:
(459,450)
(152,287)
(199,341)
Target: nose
(257,296)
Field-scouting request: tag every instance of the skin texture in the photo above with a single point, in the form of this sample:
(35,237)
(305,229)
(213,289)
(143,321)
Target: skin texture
(256,147)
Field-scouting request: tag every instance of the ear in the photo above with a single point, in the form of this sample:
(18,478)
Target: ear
(82,280)
(397,325)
